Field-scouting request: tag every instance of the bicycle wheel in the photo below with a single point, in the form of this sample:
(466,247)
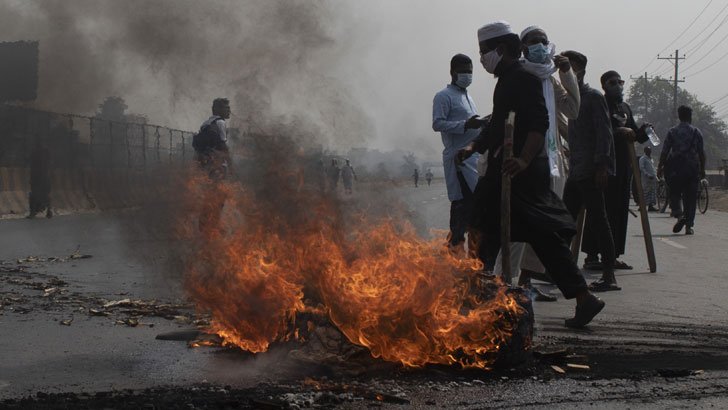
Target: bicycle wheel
(661,195)
(703,199)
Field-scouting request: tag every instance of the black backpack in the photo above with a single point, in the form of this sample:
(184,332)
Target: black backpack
(205,141)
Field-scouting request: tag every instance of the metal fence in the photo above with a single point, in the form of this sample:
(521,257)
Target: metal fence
(77,141)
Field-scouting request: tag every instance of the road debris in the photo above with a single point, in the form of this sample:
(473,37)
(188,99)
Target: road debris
(66,322)
(558,369)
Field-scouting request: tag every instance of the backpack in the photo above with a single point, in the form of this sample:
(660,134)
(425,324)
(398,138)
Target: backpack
(205,141)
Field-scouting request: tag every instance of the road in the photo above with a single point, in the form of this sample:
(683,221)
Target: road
(674,319)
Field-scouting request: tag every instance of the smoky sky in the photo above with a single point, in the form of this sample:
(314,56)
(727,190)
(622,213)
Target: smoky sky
(277,60)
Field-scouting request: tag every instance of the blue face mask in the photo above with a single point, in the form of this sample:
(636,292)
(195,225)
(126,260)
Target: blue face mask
(538,53)
(464,80)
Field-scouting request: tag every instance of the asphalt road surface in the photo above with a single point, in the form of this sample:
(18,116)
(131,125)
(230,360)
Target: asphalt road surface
(661,342)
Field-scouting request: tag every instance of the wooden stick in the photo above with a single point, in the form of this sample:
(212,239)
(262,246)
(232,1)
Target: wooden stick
(576,242)
(646,231)
(506,200)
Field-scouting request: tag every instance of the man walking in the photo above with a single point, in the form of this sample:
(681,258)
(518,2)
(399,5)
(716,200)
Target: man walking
(455,117)
(591,162)
(562,101)
(538,216)
(684,158)
(649,182)
(428,176)
(40,181)
(334,173)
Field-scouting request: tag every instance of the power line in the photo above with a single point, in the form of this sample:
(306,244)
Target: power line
(686,29)
(711,65)
(692,23)
(675,79)
(705,41)
(706,55)
(719,99)
(705,27)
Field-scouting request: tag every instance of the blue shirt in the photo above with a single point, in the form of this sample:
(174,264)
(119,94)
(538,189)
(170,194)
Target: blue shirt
(683,147)
(451,108)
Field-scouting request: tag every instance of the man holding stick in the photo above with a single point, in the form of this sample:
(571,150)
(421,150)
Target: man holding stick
(538,216)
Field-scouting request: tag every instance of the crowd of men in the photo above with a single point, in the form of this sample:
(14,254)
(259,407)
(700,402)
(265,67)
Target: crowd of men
(570,155)
(572,148)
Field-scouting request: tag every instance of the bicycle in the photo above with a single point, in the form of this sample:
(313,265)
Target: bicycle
(662,195)
(703,196)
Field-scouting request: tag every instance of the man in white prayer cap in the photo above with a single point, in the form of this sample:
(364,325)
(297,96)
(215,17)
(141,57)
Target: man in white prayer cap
(538,216)
(562,102)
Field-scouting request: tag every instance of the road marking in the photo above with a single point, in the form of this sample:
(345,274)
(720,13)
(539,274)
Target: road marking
(672,243)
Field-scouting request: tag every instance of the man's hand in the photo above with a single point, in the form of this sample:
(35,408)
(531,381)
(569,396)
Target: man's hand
(473,123)
(464,154)
(645,125)
(601,177)
(514,166)
(627,133)
(562,62)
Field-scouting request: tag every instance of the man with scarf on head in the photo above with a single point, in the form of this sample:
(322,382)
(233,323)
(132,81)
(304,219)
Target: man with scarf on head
(562,101)
(455,117)
(538,216)
(616,196)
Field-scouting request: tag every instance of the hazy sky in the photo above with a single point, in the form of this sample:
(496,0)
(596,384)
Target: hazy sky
(371,67)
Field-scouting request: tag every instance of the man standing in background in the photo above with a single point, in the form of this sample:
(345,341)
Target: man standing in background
(455,117)
(347,177)
(647,170)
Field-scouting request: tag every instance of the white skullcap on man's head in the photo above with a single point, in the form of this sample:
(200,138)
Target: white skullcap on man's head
(529,29)
(493,30)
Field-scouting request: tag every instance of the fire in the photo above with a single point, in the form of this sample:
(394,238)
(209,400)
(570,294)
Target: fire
(284,253)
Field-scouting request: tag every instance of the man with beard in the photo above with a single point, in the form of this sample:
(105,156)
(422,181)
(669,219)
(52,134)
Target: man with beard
(562,100)
(624,131)
(538,216)
(455,117)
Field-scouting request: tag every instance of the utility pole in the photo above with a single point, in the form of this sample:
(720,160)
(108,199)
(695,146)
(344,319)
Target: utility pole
(675,60)
(645,92)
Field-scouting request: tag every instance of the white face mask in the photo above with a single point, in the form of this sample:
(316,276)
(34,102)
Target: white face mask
(464,80)
(490,60)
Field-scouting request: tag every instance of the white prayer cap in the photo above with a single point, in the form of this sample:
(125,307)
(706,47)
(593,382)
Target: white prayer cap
(529,29)
(493,30)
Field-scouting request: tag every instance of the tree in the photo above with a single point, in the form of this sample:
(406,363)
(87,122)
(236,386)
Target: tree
(652,101)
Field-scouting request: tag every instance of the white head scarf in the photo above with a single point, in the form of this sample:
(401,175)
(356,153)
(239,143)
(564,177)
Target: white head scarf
(493,30)
(529,29)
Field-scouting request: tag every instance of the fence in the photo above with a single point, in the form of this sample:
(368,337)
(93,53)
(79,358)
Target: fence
(94,162)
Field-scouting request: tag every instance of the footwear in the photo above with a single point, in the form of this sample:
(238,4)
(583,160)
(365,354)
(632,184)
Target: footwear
(585,312)
(602,286)
(689,231)
(593,265)
(49,214)
(542,297)
(652,209)
(621,265)
(678,225)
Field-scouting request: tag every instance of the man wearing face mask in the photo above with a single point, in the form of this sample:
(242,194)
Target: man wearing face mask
(538,216)
(562,101)
(455,117)
(616,196)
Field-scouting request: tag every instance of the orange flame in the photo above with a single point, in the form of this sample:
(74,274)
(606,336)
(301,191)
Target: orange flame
(404,298)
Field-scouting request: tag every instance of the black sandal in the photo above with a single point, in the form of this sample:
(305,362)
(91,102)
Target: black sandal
(602,286)
(622,266)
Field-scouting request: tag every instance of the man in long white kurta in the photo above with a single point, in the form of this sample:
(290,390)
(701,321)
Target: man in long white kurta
(454,116)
